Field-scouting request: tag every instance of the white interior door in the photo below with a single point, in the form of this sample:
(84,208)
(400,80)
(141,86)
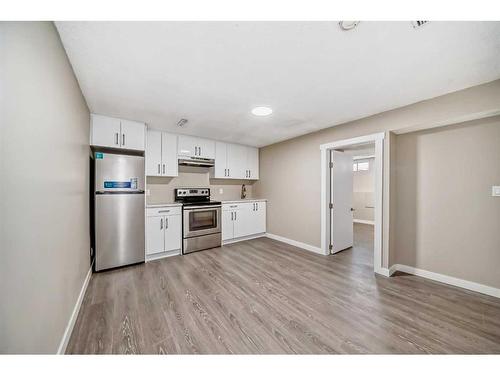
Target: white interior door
(341,197)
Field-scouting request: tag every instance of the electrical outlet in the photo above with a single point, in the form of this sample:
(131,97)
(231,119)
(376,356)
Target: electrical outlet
(495,191)
(221,191)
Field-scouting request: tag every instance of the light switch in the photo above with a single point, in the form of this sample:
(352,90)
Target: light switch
(221,191)
(495,191)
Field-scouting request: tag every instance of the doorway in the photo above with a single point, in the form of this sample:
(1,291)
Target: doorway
(352,210)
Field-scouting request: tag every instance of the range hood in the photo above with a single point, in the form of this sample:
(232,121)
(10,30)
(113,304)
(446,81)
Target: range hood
(193,161)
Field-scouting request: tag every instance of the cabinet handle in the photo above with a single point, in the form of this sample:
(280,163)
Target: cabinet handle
(123,139)
(196,150)
(163,168)
(199,151)
(161,211)
(231,215)
(116,138)
(161,223)
(159,169)
(234,215)
(166,223)
(249,173)
(228,172)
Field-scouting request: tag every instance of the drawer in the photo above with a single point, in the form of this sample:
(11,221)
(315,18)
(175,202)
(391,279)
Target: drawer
(237,206)
(163,211)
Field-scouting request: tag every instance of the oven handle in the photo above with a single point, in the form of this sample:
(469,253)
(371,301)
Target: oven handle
(205,208)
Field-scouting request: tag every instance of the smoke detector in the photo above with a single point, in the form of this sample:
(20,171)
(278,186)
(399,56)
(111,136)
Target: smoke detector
(182,122)
(418,24)
(348,25)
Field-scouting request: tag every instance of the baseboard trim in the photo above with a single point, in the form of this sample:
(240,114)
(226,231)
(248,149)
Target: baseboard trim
(245,238)
(359,221)
(302,245)
(74,315)
(383,271)
(166,254)
(450,280)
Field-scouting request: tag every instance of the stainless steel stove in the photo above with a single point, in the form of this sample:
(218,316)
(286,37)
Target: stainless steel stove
(201,219)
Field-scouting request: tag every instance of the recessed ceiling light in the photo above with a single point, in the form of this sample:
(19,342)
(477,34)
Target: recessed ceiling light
(262,111)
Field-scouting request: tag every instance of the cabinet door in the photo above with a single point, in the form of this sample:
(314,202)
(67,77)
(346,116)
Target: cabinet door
(153,153)
(243,222)
(236,160)
(259,217)
(187,146)
(132,135)
(253,163)
(155,234)
(206,148)
(105,131)
(220,170)
(172,232)
(170,164)
(227,225)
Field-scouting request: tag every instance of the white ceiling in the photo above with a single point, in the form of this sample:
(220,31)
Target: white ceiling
(312,74)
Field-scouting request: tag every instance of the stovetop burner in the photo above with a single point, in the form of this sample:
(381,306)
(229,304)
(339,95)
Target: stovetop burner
(194,197)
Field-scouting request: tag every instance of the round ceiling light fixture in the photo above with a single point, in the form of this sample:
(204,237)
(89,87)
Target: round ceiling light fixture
(348,25)
(262,111)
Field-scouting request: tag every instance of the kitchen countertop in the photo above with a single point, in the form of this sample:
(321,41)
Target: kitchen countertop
(156,205)
(244,200)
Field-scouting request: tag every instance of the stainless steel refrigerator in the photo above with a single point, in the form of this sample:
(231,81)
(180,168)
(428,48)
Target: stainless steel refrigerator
(119,210)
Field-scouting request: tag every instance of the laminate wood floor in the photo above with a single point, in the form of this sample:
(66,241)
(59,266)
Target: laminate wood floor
(264,296)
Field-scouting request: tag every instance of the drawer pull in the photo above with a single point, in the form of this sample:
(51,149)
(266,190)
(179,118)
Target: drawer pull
(162,211)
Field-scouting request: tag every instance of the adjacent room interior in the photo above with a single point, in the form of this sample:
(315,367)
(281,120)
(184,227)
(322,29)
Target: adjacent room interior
(203,188)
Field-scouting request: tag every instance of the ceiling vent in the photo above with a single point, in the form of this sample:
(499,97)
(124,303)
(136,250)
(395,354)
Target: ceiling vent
(418,24)
(182,122)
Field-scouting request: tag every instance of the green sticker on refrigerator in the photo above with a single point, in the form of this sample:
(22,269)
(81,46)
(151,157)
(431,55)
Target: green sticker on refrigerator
(99,155)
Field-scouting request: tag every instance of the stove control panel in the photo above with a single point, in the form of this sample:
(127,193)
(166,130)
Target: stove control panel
(191,192)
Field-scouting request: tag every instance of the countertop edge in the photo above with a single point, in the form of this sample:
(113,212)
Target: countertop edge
(244,200)
(158,205)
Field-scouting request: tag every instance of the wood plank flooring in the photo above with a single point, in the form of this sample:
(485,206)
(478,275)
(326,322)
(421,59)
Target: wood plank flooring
(264,296)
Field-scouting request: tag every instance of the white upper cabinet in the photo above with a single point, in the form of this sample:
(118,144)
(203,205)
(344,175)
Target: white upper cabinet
(170,164)
(132,135)
(236,162)
(161,154)
(104,131)
(220,169)
(252,163)
(116,133)
(194,146)
(153,153)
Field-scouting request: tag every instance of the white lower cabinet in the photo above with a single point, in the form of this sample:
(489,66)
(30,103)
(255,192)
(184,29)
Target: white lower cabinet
(163,231)
(241,220)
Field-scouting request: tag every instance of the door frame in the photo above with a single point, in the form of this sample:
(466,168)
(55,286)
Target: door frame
(378,139)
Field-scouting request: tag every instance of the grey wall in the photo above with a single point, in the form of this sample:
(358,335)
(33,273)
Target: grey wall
(447,220)
(290,171)
(44,199)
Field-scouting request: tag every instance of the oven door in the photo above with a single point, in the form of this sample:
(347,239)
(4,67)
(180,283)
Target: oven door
(201,220)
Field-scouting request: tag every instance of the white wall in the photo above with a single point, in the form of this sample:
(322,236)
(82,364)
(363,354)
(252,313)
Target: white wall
(44,214)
